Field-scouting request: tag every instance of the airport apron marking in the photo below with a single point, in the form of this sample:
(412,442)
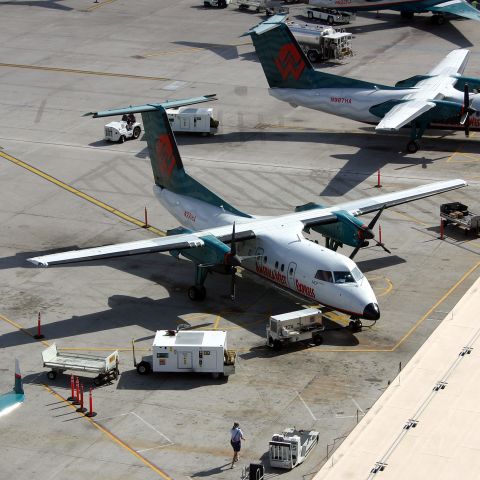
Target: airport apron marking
(83,72)
(112,436)
(81,194)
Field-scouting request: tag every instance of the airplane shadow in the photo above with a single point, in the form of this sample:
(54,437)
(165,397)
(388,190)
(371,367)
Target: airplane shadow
(45,4)
(227,52)
(379,263)
(359,166)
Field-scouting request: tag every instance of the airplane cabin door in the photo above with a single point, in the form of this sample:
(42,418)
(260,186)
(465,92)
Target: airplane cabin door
(292,269)
(259,256)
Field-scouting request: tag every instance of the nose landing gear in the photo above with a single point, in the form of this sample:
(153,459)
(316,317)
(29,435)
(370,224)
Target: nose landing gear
(355,325)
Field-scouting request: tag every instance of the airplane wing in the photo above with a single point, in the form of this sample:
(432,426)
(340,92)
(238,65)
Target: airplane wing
(457,7)
(252,227)
(455,62)
(402,114)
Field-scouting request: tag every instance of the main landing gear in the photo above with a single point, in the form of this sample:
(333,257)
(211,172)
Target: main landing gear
(198,292)
(415,135)
(355,325)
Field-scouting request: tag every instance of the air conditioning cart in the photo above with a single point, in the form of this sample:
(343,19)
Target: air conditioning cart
(291,448)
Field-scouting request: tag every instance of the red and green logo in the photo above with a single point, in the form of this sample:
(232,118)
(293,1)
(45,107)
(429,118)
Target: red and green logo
(289,62)
(165,155)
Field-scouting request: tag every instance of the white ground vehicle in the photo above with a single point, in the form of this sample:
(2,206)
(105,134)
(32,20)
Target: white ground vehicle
(192,120)
(106,368)
(118,131)
(328,15)
(216,3)
(189,351)
(319,42)
(290,448)
(299,326)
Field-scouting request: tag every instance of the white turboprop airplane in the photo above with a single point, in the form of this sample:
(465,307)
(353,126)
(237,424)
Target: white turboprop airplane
(218,237)
(407,8)
(440,99)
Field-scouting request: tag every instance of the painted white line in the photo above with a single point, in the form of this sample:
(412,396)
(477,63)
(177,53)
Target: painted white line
(114,416)
(154,448)
(357,405)
(306,406)
(152,427)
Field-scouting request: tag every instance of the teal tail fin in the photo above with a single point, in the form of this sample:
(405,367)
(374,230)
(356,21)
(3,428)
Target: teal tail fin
(167,164)
(18,387)
(285,64)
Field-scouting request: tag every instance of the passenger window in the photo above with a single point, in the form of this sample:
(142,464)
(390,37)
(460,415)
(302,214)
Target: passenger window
(324,275)
(282,267)
(276,265)
(264,259)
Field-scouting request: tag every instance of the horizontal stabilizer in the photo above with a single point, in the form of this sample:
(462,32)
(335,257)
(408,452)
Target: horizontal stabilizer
(150,107)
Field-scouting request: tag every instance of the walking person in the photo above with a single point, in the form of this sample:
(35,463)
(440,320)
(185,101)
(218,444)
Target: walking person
(236,441)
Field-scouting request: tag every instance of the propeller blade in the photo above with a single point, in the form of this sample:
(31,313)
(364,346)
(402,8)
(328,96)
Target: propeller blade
(376,217)
(384,247)
(233,283)
(233,245)
(466,110)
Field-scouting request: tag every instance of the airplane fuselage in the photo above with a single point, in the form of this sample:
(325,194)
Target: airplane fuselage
(416,6)
(355,103)
(285,257)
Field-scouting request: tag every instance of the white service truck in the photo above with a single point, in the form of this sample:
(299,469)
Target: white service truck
(270,7)
(192,120)
(216,3)
(299,326)
(320,43)
(328,15)
(290,448)
(201,351)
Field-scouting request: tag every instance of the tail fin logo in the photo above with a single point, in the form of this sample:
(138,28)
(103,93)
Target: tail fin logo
(165,155)
(289,62)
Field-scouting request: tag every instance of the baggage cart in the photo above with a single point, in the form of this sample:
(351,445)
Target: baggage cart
(106,368)
(458,214)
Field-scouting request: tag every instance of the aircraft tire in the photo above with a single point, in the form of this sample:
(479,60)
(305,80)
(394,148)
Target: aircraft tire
(330,20)
(310,15)
(438,19)
(412,146)
(52,375)
(197,294)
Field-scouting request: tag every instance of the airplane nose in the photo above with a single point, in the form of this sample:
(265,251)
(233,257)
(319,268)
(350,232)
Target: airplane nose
(371,312)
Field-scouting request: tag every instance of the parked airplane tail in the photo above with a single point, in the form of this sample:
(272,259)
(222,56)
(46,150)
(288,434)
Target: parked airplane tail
(167,164)
(18,387)
(284,62)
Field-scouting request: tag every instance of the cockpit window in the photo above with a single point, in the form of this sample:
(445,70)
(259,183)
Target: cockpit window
(343,277)
(357,274)
(324,275)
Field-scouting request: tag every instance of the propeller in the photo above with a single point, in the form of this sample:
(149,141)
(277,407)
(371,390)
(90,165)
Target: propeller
(466,110)
(368,233)
(233,260)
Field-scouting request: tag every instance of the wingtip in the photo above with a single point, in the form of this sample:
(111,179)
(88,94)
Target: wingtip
(37,262)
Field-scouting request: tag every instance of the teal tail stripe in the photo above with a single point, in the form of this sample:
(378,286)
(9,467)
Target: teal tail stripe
(167,165)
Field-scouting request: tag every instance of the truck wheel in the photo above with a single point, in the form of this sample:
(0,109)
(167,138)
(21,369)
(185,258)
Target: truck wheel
(98,381)
(317,339)
(52,375)
(330,20)
(277,345)
(310,15)
(143,368)
(136,132)
(121,139)
(215,375)
(312,55)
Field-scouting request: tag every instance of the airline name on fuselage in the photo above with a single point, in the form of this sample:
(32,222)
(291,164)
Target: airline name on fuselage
(272,274)
(304,289)
(190,216)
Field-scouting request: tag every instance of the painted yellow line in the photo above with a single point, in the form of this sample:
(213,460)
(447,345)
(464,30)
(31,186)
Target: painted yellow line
(82,72)
(112,436)
(441,300)
(80,194)
(192,49)
(98,5)
(22,329)
(409,217)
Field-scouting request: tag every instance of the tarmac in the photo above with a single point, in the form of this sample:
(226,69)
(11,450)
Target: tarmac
(64,187)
